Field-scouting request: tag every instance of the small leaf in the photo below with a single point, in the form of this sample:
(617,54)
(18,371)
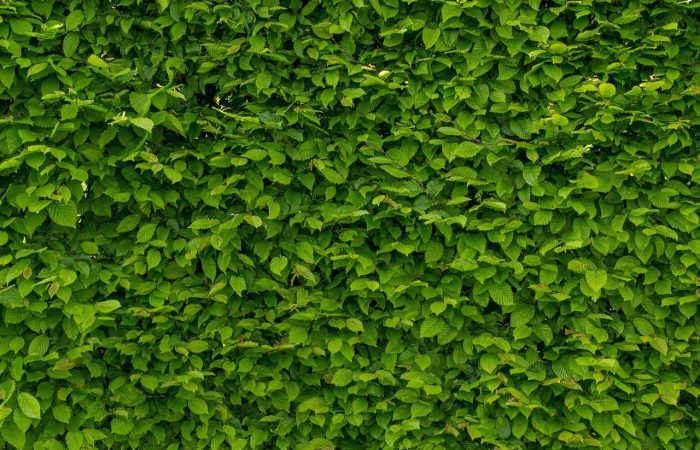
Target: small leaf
(430,37)
(433,252)
(540,34)
(298,335)
(21,27)
(277,264)
(553,72)
(342,377)
(596,279)
(64,214)
(522,315)
(69,112)
(74,440)
(489,362)
(128,223)
(121,425)
(29,405)
(146,232)
(204,223)
(140,102)
(449,11)
(61,412)
(142,122)
(70,43)
(501,294)
(198,346)
(198,406)
(107,306)
(602,424)
(238,284)
(544,332)
(665,434)
(98,62)
(355,325)
(74,20)
(7,76)
(172,174)
(39,346)
(606,90)
(305,251)
(431,327)
(543,217)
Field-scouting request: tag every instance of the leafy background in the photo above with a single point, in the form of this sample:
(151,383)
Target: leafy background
(349,224)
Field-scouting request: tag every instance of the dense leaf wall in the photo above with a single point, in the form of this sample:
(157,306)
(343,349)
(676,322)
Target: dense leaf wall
(349,224)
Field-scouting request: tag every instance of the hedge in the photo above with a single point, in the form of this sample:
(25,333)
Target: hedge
(349,224)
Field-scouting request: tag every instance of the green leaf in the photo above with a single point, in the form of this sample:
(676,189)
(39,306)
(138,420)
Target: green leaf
(39,346)
(596,279)
(74,440)
(61,412)
(501,294)
(203,223)
(522,315)
(13,435)
(553,72)
(540,34)
(665,434)
(74,20)
(298,335)
(128,223)
(643,326)
(342,377)
(332,176)
(602,424)
(544,332)
(304,272)
(521,332)
(153,258)
(7,76)
(172,174)
(198,346)
(433,252)
(107,306)
(431,327)
(141,103)
(543,217)
(70,44)
(198,406)
(238,285)
(489,362)
(146,232)
(449,11)
(277,264)
(98,62)
(355,325)
(430,37)
(142,122)
(121,425)
(606,90)
(64,214)
(305,251)
(69,112)
(29,405)
(21,26)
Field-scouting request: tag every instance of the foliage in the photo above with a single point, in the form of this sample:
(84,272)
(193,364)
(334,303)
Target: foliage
(349,224)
